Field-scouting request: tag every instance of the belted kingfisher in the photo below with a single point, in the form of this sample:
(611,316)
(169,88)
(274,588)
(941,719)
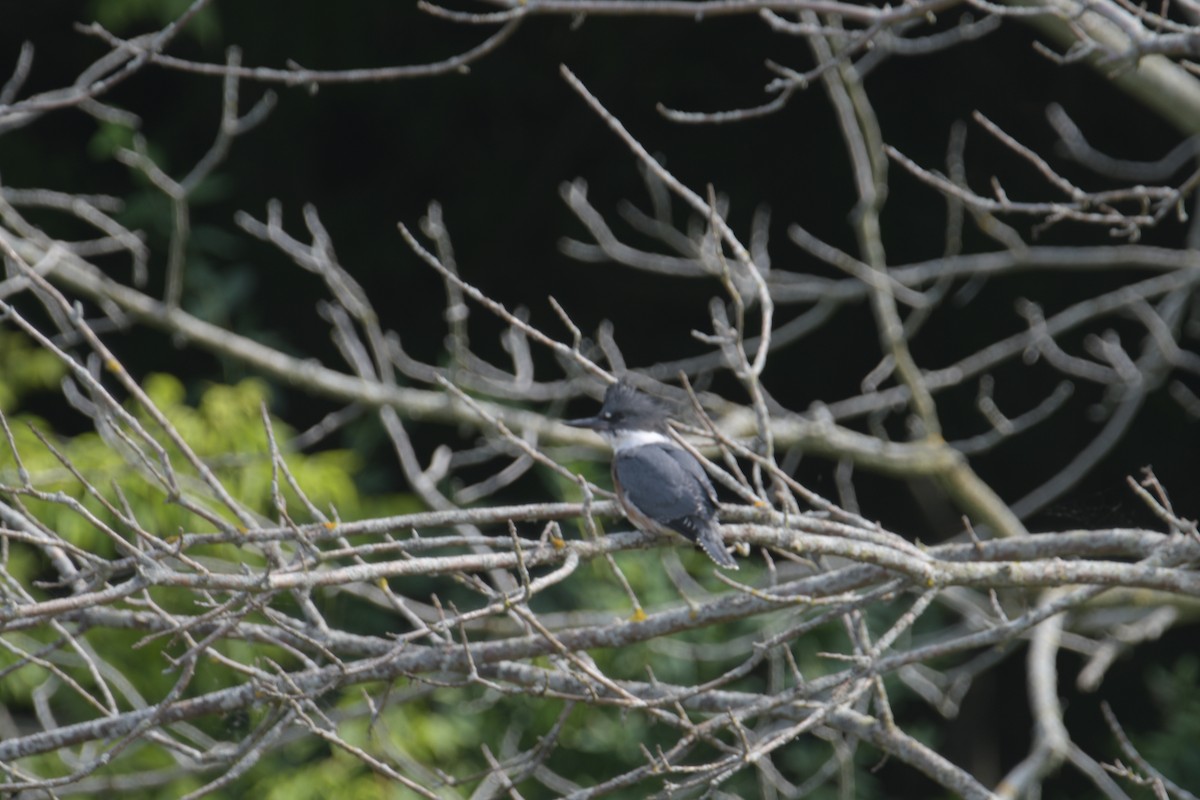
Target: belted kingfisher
(660,485)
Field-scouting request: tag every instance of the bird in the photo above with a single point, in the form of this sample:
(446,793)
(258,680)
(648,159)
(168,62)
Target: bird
(660,485)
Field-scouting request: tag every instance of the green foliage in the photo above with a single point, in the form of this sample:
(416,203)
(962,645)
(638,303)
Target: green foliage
(108,139)
(224,429)
(130,17)
(1171,747)
(24,368)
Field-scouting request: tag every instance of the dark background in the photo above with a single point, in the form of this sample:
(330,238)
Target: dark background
(493,147)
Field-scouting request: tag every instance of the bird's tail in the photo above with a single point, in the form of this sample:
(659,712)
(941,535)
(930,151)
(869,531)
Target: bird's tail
(714,547)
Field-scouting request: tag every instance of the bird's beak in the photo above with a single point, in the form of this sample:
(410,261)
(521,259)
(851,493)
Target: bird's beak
(595,423)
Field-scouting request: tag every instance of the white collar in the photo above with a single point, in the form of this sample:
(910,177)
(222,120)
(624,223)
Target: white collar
(627,440)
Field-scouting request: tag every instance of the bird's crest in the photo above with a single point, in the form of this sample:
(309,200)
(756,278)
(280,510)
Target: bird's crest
(625,404)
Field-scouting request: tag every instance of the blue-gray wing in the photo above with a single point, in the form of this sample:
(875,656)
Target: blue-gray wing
(689,463)
(668,485)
